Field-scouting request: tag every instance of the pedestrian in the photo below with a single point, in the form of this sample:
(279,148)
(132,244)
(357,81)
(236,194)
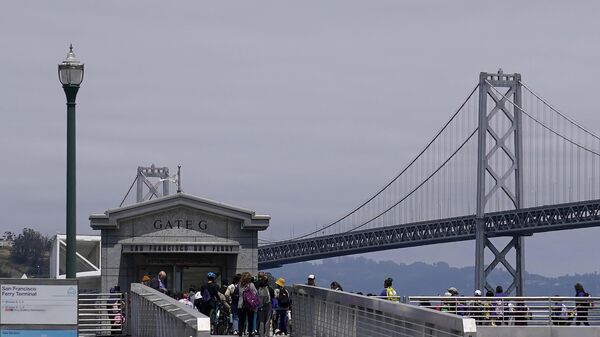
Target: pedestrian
(118,318)
(453,291)
(246,304)
(501,308)
(233,292)
(582,306)
(560,314)
(521,313)
(159,282)
(283,305)
(457,306)
(265,294)
(336,286)
(490,313)
(311,280)
(146,280)
(476,308)
(185,299)
(210,298)
(388,292)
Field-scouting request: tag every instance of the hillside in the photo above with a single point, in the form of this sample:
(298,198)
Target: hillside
(11,269)
(364,275)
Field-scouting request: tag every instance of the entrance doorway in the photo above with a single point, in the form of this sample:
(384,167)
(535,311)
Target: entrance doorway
(180,278)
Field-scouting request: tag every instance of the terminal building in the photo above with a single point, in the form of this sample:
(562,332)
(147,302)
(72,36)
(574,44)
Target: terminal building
(184,235)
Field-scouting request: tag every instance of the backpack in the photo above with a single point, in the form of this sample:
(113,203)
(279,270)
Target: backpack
(251,300)
(206,295)
(263,295)
(283,299)
(210,293)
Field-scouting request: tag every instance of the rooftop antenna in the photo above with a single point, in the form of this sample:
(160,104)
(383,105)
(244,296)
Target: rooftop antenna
(178,178)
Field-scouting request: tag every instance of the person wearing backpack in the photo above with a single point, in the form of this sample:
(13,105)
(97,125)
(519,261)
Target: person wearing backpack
(248,303)
(210,297)
(283,305)
(264,311)
(233,292)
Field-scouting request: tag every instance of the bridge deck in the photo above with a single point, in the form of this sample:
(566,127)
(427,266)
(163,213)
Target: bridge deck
(526,221)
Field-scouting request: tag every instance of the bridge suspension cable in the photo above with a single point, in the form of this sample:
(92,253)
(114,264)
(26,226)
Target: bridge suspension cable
(418,186)
(558,112)
(561,157)
(549,128)
(426,155)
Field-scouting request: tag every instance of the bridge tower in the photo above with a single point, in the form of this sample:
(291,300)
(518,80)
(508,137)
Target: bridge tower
(499,172)
(143,173)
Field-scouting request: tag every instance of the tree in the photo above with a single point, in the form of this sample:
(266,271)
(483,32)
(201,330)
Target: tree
(8,236)
(30,248)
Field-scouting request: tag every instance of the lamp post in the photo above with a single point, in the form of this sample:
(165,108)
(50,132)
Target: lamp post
(70,74)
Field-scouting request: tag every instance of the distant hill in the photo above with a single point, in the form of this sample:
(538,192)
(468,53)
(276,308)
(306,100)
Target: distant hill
(8,268)
(11,269)
(365,275)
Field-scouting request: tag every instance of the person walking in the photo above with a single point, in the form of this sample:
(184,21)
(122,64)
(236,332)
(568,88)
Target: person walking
(311,280)
(283,305)
(159,282)
(246,305)
(210,298)
(581,306)
(388,292)
(265,294)
(489,309)
(501,308)
(233,292)
(475,307)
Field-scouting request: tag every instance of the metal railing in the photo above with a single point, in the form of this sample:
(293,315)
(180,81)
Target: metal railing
(518,311)
(154,314)
(102,314)
(320,312)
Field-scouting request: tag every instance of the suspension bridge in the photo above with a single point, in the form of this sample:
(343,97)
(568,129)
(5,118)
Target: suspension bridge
(506,164)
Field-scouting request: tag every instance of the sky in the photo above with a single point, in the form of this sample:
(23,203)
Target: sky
(296,109)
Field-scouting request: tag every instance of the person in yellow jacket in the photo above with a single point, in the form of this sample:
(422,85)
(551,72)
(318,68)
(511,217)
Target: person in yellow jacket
(389,293)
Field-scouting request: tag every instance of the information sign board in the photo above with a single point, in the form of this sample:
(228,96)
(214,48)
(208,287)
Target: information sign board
(29,304)
(37,333)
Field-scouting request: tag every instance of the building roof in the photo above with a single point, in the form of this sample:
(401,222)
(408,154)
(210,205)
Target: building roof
(111,217)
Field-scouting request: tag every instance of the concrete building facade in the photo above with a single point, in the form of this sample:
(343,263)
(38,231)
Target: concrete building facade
(184,235)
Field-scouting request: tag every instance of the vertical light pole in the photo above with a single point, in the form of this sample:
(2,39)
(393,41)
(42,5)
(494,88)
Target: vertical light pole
(70,74)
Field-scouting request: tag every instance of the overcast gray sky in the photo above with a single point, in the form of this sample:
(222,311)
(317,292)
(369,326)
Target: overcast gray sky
(297,109)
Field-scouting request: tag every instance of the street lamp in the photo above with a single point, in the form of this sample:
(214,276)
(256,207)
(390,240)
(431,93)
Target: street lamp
(70,74)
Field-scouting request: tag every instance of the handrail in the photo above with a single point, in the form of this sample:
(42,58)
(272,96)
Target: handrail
(513,310)
(325,312)
(154,314)
(102,314)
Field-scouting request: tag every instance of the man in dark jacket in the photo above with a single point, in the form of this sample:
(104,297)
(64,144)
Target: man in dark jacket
(159,282)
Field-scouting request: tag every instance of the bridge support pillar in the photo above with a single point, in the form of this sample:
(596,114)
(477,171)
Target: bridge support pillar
(480,279)
(520,256)
(499,171)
